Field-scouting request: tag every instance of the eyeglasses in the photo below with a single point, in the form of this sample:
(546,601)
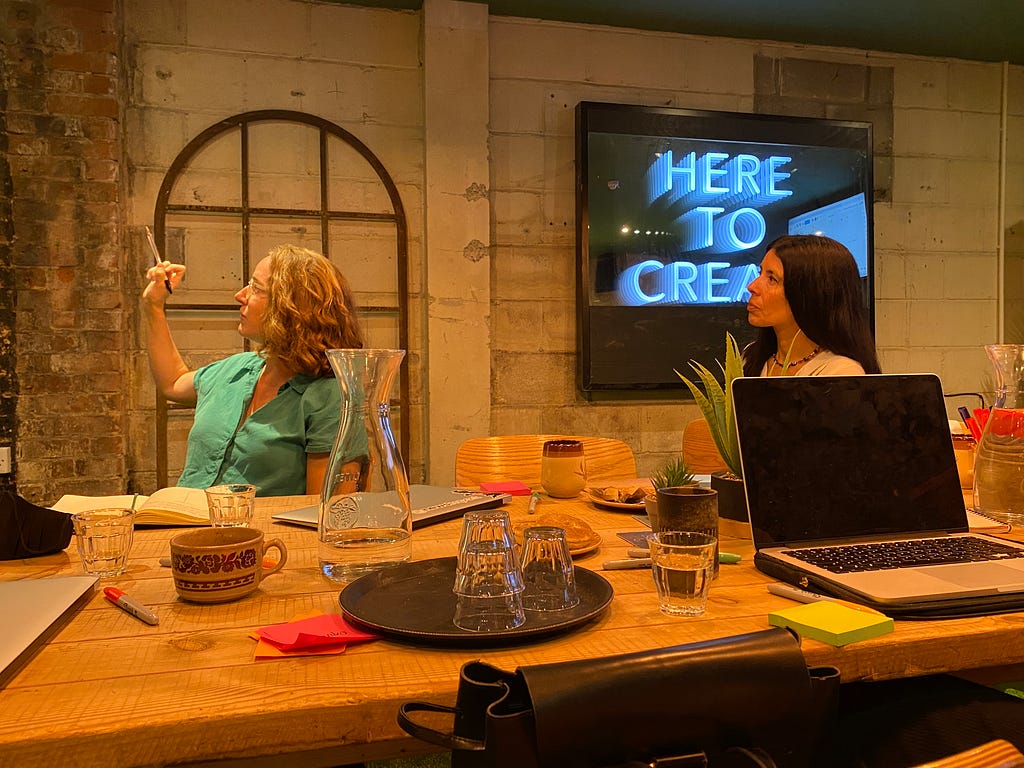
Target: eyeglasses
(255,288)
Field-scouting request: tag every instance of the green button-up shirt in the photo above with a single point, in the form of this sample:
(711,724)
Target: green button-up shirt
(269,449)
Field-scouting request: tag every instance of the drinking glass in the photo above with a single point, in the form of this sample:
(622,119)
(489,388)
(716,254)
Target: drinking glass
(104,540)
(488,581)
(682,563)
(231,506)
(548,576)
(999,459)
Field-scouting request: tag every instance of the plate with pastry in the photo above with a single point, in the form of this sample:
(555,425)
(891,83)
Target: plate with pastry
(580,537)
(629,498)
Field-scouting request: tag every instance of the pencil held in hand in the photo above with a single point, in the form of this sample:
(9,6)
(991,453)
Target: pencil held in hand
(156,256)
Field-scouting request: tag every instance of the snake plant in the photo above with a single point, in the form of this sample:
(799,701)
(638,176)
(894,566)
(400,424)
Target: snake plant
(715,402)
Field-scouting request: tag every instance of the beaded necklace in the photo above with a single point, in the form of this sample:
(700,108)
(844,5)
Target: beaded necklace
(794,363)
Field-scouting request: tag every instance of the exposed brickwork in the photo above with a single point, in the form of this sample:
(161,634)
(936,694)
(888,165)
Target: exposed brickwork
(59,248)
(8,356)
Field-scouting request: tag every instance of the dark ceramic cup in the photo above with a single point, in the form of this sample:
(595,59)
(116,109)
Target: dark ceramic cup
(688,508)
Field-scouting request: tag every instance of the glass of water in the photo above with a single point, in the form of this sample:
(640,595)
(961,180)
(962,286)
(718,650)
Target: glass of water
(104,540)
(231,505)
(683,564)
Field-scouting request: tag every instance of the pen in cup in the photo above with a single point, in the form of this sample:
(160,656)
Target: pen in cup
(156,256)
(130,605)
(972,424)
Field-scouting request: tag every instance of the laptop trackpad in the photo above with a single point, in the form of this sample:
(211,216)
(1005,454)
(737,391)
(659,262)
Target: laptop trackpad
(980,576)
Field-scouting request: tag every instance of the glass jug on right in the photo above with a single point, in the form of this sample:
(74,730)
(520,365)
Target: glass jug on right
(999,462)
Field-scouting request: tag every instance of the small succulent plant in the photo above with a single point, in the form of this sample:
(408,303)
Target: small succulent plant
(672,475)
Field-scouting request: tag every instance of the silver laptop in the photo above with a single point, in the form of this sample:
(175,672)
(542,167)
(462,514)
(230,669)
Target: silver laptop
(35,610)
(834,464)
(430,504)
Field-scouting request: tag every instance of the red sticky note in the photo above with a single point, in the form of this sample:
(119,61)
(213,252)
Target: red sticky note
(513,487)
(327,629)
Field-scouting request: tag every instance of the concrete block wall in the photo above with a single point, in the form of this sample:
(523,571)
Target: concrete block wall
(936,227)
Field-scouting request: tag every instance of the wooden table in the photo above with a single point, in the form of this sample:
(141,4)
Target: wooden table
(110,691)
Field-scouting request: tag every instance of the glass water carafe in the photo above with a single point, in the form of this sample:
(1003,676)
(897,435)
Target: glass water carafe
(365,515)
(999,462)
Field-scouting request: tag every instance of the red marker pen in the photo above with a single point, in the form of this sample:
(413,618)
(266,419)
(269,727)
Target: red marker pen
(127,604)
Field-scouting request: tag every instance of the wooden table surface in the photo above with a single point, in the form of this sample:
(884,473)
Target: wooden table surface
(111,691)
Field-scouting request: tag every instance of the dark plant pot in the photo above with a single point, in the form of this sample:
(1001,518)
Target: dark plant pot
(732,498)
(687,508)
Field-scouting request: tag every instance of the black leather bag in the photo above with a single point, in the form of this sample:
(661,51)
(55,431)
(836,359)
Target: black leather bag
(743,700)
(30,531)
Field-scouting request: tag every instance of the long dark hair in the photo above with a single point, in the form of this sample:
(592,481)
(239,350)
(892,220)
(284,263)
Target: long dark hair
(823,288)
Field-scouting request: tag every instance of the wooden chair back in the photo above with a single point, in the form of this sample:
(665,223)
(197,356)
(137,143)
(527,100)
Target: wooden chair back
(517,457)
(699,452)
(998,753)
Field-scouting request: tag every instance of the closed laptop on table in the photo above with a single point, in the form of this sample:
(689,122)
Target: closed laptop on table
(35,610)
(430,504)
(852,490)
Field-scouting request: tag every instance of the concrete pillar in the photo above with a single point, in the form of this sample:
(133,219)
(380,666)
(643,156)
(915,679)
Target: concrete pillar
(457,230)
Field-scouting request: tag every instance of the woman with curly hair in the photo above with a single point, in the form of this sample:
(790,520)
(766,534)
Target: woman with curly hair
(269,417)
(808,307)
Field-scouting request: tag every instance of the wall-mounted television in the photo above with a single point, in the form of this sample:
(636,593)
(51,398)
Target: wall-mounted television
(673,210)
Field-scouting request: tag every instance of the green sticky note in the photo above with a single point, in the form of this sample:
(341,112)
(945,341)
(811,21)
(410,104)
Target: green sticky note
(832,622)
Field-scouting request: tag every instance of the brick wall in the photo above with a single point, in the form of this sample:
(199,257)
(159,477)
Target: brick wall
(61,247)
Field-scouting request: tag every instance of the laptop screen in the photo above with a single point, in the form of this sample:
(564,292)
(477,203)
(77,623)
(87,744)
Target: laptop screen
(838,457)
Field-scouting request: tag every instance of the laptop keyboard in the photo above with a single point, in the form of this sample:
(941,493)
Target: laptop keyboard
(850,558)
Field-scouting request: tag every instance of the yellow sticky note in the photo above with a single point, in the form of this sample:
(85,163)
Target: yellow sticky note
(831,622)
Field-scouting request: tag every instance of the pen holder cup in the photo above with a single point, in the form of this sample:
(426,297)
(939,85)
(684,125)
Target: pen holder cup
(964,448)
(217,565)
(688,508)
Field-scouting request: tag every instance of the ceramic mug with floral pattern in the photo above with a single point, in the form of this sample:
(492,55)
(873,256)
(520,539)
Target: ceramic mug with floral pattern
(215,565)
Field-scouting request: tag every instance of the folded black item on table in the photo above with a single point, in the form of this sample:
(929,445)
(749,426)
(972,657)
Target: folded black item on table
(30,531)
(736,701)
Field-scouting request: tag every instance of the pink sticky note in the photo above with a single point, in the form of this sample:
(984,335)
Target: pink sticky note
(512,487)
(329,629)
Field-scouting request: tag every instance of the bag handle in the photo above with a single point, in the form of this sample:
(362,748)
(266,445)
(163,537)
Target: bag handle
(430,735)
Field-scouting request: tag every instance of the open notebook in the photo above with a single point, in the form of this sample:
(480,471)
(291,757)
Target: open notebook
(173,505)
(833,464)
(430,504)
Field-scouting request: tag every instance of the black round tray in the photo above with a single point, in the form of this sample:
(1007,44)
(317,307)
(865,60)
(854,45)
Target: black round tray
(414,601)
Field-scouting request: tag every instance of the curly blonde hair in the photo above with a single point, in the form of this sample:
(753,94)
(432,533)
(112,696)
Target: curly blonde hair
(309,310)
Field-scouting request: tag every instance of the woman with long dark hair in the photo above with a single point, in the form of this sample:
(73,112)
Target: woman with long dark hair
(808,306)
